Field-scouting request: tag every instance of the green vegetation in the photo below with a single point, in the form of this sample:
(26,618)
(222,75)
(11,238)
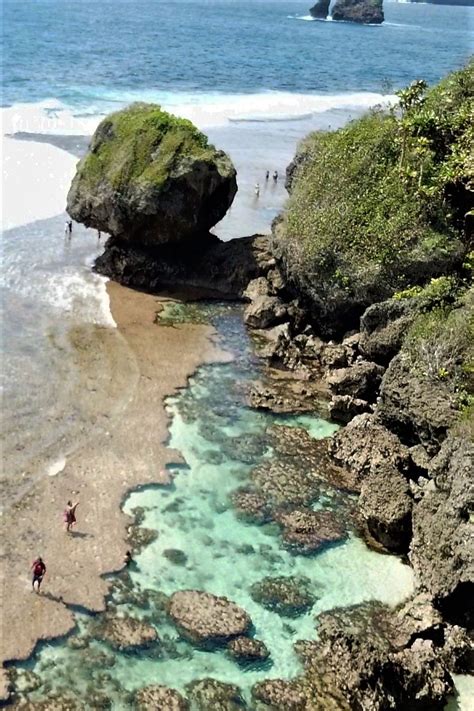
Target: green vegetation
(142,144)
(383,204)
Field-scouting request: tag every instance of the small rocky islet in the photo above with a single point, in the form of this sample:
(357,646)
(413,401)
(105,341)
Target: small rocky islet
(383,323)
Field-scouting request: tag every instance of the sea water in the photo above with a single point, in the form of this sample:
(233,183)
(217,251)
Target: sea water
(203,545)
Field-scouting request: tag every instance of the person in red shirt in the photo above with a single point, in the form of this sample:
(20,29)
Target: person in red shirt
(39,571)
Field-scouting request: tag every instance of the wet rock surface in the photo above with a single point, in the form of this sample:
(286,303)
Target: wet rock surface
(246,649)
(160,698)
(125,633)
(289,597)
(306,531)
(207,619)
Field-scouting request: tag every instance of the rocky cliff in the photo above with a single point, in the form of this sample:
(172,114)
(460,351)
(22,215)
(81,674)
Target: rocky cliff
(320,10)
(366,12)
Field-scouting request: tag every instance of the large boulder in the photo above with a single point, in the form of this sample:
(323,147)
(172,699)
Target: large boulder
(246,649)
(287,596)
(366,12)
(207,619)
(151,178)
(360,380)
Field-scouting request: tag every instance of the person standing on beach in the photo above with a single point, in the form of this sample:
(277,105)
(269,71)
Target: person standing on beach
(275,176)
(69,515)
(39,570)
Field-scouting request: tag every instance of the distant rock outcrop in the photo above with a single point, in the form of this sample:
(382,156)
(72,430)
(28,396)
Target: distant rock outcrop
(366,12)
(321,10)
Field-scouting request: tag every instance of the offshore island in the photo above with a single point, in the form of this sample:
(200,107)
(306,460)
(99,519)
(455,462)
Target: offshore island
(360,306)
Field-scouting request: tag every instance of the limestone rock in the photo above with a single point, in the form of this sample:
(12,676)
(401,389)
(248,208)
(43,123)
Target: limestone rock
(361,11)
(264,311)
(365,444)
(251,506)
(361,380)
(204,618)
(125,633)
(287,596)
(151,178)
(246,649)
(442,550)
(416,409)
(207,694)
(306,531)
(385,503)
(383,327)
(343,408)
(160,698)
(280,694)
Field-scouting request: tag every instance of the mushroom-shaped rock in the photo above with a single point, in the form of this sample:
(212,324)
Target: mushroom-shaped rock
(150,178)
(160,698)
(207,619)
(246,649)
(125,633)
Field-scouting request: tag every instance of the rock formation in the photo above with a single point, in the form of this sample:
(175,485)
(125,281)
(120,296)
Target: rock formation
(125,633)
(289,597)
(321,10)
(245,649)
(206,619)
(367,12)
(150,178)
(156,697)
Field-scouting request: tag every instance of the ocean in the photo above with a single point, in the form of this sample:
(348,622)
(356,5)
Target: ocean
(256,76)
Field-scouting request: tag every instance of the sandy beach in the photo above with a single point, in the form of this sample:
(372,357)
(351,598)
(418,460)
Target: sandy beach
(147,363)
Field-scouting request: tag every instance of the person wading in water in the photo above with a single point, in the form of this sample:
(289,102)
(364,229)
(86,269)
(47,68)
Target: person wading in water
(39,571)
(69,515)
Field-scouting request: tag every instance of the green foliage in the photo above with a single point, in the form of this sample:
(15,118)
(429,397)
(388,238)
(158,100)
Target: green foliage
(142,143)
(440,346)
(438,293)
(386,193)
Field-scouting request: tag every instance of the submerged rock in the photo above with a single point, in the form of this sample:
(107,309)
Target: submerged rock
(287,596)
(280,694)
(160,698)
(125,633)
(176,556)
(207,694)
(306,531)
(151,178)
(251,506)
(367,12)
(207,619)
(246,649)
(285,483)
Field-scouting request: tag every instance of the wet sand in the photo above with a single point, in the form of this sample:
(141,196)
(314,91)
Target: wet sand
(147,362)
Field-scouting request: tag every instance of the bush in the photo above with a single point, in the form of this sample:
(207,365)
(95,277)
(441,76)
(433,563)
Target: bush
(380,205)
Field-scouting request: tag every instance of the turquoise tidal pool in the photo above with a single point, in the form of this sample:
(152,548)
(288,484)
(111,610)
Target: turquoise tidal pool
(202,544)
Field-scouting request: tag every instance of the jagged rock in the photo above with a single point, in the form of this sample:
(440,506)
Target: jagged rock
(385,503)
(442,550)
(284,483)
(125,633)
(359,658)
(251,506)
(343,408)
(207,694)
(53,702)
(257,287)
(365,444)
(383,327)
(203,618)
(264,311)
(289,597)
(367,12)
(210,266)
(280,694)
(321,10)
(276,343)
(245,649)
(306,531)
(160,698)
(151,178)
(361,380)
(285,395)
(415,408)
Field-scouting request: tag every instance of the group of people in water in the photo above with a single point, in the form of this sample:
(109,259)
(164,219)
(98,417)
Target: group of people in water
(267,178)
(69,518)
